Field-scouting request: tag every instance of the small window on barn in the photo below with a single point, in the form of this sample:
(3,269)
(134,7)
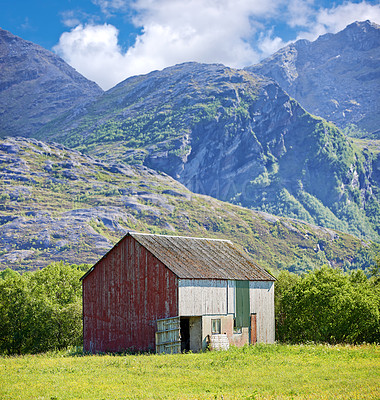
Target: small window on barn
(215,326)
(237,329)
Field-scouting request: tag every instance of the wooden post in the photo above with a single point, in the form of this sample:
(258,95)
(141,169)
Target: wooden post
(253,330)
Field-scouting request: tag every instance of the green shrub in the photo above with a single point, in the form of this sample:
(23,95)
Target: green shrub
(42,310)
(329,306)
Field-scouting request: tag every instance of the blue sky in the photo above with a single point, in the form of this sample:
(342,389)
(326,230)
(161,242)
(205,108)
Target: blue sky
(110,40)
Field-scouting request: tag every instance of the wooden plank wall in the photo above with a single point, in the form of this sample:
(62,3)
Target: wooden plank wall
(202,297)
(124,296)
(218,297)
(262,303)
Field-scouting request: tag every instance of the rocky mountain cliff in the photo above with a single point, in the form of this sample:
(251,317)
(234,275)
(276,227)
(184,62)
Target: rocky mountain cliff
(58,204)
(36,86)
(223,132)
(235,136)
(336,77)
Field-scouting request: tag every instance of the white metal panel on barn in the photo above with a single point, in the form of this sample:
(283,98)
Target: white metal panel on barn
(168,339)
(202,297)
(231,297)
(262,303)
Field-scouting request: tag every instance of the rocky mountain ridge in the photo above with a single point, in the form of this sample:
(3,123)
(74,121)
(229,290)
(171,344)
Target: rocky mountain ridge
(223,132)
(36,86)
(58,204)
(336,77)
(235,136)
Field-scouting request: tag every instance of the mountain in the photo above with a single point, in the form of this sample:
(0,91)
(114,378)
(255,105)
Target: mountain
(218,131)
(235,136)
(36,86)
(336,77)
(58,204)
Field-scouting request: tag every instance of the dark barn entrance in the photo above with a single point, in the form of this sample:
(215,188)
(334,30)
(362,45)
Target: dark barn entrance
(185,334)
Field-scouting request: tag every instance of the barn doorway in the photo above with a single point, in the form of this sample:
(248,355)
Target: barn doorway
(185,334)
(168,335)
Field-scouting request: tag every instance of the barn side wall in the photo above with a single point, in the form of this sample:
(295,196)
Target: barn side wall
(124,296)
(198,297)
(217,299)
(262,303)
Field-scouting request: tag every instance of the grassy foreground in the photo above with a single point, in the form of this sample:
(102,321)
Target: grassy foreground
(255,372)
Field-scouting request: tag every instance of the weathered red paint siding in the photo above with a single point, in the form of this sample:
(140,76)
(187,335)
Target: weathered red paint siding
(123,297)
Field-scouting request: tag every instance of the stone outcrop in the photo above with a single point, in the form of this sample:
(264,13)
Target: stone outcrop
(36,86)
(336,77)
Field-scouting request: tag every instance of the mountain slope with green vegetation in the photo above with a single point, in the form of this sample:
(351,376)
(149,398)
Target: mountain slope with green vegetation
(58,204)
(235,136)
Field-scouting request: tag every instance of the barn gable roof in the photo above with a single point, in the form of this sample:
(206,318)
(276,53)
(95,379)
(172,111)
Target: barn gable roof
(202,258)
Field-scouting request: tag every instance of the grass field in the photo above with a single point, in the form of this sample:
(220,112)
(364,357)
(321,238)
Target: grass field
(255,372)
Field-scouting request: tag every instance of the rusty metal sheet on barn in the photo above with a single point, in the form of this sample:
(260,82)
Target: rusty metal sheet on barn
(202,258)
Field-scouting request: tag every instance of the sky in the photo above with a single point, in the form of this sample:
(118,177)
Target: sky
(108,41)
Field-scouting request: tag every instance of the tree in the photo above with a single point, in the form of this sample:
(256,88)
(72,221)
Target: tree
(8,273)
(59,290)
(374,270)
(42,310)
(285,282)
(16,315)
(327,305)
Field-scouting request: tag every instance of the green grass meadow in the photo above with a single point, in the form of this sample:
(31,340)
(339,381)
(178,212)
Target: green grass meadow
(252,372)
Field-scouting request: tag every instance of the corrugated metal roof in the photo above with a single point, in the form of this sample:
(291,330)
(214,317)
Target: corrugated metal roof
(202,258)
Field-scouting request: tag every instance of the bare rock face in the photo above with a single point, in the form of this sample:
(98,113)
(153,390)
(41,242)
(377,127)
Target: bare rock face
(36,86)
(336,77)
(235,136)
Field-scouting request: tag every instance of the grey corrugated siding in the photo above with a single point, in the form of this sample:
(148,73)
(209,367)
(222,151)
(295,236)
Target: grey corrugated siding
(200,258)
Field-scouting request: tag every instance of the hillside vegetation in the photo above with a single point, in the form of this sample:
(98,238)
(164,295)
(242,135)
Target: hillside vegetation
(57,204)
(235,136)
(231,134)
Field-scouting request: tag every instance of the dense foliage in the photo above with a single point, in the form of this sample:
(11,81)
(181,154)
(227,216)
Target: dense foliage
(327,306)
(42,310)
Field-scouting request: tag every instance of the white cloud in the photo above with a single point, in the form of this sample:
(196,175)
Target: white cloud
(269,44)
(231,32)
(93,50)
(299,12)
(110,6)
(73,18)
(172,32)
(70,19)
(337,18)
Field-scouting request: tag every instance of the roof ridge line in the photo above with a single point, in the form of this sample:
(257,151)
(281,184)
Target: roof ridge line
(179,236)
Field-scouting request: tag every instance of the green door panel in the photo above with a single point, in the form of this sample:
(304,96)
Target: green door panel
(242,304)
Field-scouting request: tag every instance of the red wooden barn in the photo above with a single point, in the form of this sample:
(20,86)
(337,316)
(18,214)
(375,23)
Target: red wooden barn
(173,293)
